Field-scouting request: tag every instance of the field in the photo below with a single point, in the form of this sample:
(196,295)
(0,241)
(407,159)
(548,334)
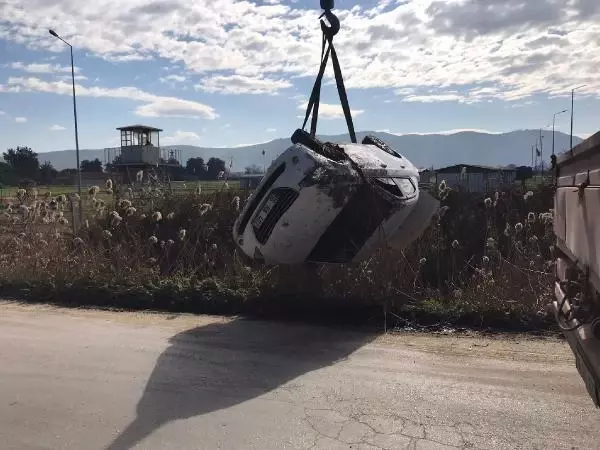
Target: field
(485,261)
(11,191)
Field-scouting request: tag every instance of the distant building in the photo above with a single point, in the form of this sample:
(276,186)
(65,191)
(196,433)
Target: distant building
(250,181)
(426,176)
(476,178)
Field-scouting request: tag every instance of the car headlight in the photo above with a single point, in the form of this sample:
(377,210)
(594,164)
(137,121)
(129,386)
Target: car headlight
(400,187)
(406,186)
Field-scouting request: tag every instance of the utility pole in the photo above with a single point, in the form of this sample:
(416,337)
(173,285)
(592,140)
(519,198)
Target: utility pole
(532,149)
(542,153)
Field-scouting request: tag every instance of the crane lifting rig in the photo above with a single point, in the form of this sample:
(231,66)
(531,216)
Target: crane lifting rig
(323,202)
(337,202)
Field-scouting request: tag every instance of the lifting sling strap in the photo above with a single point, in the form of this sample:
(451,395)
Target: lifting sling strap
(313,105)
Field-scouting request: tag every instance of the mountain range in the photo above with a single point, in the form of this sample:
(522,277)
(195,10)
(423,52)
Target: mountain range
(423,150)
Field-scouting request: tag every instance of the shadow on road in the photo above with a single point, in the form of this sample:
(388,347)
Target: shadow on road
(220,365)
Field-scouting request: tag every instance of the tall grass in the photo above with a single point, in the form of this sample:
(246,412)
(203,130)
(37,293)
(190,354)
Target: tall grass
(485,260)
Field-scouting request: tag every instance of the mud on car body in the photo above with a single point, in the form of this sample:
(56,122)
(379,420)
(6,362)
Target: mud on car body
(333,203)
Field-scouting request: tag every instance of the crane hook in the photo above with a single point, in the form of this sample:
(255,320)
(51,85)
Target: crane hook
(327,4)
(334,22)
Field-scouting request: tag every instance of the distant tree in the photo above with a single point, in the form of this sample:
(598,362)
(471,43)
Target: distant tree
(91,166)
(176,170)
(23,161)
(67,173)
(253,169)
(48,173)
(111,165)
(196,167)
(8,176)
(66,176)
(215,166)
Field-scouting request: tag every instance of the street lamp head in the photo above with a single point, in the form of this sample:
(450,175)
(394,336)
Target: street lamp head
(53,33)
(563,111)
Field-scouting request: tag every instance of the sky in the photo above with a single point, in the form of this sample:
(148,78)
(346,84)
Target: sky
(223,73)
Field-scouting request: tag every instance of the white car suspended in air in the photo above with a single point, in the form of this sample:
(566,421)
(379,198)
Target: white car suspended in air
(333,203)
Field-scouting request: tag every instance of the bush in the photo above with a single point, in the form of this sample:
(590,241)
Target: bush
(484,261)
(26,183)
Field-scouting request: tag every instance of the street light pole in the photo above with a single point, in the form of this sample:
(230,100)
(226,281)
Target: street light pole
(553,123)
(532,156)
(572,105)
(53,33)
(542,153)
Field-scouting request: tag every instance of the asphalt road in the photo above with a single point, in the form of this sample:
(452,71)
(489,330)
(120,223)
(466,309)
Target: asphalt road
(100,380)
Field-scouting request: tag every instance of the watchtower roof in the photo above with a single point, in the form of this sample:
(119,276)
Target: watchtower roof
(139,128)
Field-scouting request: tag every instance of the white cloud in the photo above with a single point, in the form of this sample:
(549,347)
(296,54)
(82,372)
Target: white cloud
(329,111)
(173,78)
(20,119)
(128,57)
(41,68)
(57,128)
(175,107)
(522,104)
(242,84)
(434,98)
(153,105)
(437,49)
(271,130)
(180,137)
(2,113)
(70,78)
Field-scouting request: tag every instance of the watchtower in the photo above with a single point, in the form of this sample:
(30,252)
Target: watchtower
(140,150)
